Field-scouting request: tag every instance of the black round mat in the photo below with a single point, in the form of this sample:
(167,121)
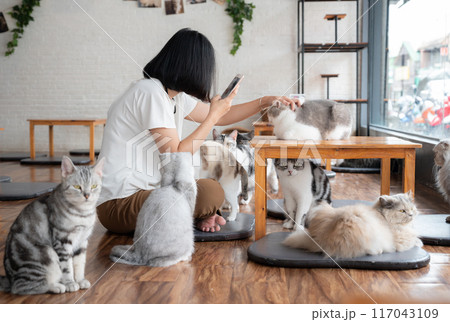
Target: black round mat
(54,161)
(433,230)
(243,227)
(356,170)
(84,152)
(17,156)
(269,250)
(24,190)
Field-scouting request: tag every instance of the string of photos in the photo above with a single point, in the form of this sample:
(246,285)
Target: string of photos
(238,10)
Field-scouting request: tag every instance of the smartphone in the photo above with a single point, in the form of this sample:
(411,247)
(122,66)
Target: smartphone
(236,80)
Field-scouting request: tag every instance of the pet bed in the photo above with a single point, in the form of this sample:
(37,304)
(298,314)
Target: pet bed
(355,170)
(17,156)
(54,161)
(5,179)
(83,152)
(24,190)
(269,250)
(243,227)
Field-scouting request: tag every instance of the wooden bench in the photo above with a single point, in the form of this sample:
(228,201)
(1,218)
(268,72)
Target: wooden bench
(50,123)
(358,147)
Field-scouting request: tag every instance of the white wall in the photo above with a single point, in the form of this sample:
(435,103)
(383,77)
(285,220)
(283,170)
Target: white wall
(67,67)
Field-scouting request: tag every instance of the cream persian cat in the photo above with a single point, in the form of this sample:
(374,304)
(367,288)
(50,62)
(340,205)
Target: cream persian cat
(358,230)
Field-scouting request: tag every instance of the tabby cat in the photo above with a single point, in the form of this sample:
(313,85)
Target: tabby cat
(359,230)
(442,162)
(46,245)
(303,182)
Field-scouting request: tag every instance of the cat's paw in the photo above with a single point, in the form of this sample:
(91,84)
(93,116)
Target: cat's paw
(72,286)
(232,217)
(244,202)
(57,288)
(288,224)
(419,243)
(84,284)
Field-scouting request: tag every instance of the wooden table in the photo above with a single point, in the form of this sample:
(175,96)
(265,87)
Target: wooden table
(51,123)
(358,147)
(262,127)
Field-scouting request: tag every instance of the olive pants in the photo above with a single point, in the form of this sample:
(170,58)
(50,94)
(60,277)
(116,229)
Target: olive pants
(120,215)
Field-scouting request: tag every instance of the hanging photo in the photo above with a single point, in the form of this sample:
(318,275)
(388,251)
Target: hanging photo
(221,2)
(149,3)
(174,7)
(3,25)
(195,1)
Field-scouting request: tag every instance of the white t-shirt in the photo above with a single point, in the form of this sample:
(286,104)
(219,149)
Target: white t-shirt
(131,155)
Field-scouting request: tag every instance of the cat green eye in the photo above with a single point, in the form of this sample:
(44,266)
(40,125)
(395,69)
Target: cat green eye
(77,187)
(93,186)
(403,210)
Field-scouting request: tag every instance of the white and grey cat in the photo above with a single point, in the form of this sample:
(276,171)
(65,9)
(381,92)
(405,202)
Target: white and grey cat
(303,183)
(314,120)
(359,230)
(46,245)
(164,232)
(442,162)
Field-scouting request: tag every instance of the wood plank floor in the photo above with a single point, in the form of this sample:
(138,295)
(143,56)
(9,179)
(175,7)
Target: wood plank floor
(221,273)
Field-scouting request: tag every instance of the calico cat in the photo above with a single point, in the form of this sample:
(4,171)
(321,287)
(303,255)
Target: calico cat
(359,230)
(164,232)
(442,163)
(46,245)
(315,120)
(303,182)
(239,144)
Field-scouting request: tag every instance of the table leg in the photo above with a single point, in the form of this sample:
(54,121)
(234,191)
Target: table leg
(260,195)
(385,176)
(91,143)
(32,150)
(409,171)
(50,140)
(328,164)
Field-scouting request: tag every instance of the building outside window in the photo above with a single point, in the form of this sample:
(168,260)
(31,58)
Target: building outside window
(417,79)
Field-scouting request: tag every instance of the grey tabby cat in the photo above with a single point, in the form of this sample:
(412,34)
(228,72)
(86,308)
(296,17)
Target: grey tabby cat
(314,120)
(442,162)
(303,183)
(46,245)
(164,232)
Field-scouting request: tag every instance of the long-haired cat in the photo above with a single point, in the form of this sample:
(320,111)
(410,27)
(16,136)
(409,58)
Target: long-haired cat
(164,232)
(442,162)
(303,183)
(359,230)
(46,245)
(314,120)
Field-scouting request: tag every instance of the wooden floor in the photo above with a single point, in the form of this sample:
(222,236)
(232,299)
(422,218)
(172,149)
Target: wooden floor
(221,273)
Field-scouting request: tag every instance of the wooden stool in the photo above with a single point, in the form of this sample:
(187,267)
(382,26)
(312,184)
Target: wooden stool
(335,17)
(91,123)
(328,76)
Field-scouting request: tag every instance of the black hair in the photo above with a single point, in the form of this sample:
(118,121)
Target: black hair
(185,64)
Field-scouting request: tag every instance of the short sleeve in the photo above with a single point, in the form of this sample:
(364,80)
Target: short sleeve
(187,103)
(153,111)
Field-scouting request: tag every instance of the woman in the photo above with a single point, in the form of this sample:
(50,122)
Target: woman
(150,114)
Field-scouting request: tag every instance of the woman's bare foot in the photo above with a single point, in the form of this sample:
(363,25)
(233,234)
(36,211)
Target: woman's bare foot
(211,224)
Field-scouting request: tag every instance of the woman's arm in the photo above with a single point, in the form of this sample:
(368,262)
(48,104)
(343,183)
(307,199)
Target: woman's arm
(239,112)
(167,140)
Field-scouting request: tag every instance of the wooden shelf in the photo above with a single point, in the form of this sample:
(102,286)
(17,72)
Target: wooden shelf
(333,48)
(337,16)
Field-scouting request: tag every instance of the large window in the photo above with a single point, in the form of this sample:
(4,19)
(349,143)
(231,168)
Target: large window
(417,75)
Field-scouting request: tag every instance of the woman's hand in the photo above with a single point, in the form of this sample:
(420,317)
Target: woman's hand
(266,101)
(219,107)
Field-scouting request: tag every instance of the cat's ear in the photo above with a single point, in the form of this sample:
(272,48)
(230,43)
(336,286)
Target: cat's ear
(386,202)
(251,135)
(67,167)
(215,134)
(98,168)
(409,195)
(234,134)
(277,104)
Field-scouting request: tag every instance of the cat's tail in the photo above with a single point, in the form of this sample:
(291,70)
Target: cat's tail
(301,239)
(125,254)
(5,285)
